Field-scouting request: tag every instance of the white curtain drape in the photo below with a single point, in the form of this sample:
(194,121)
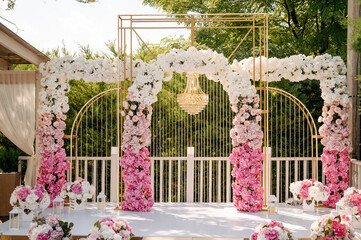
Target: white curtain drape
(17,113)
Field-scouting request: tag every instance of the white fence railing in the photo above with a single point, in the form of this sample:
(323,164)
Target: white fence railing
(199,179)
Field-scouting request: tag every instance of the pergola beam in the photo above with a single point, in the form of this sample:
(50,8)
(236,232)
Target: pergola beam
(19,49)
(4,65)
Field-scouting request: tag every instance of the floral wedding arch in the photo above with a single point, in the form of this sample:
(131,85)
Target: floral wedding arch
(246,135)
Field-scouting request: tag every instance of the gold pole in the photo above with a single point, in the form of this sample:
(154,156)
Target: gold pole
(192,30)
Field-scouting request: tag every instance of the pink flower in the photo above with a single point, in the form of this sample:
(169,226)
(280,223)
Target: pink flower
(271,234)
(77,188)
(23,193)
(135,119)
(133,107)
(44,236)
(125,105)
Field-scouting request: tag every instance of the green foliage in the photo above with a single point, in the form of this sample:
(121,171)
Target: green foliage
(9,159)
(310,27)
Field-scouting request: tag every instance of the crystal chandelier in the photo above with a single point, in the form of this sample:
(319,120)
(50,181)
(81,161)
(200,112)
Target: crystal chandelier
(193,100)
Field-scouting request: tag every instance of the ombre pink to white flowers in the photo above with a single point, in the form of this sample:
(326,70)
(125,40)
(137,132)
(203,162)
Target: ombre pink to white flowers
(309,189)
(272,231)
(109,229)
(30,199)
(334,129)
(135,161)
(246,123)
(50,228)
(350,203)
(247,156)
(80,190)
(53,163)
(335,157)
(332,227)
(136,134)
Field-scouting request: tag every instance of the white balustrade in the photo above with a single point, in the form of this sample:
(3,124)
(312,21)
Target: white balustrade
(199,179)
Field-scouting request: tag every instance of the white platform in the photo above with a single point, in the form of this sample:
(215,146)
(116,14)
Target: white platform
(187,220)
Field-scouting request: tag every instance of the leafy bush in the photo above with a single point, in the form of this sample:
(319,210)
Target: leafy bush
(9,160)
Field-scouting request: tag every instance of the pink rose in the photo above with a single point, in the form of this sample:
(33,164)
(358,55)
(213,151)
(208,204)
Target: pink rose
(125,105)
(77,188)
(271,234)
(23,193)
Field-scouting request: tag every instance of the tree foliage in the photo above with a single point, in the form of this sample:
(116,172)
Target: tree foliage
(310,27)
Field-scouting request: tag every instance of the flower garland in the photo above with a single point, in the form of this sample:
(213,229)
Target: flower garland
(148,78)
(109,229)
(309,189)
(53,104)
(247,155)
(332,227)
(272,231)
(331,72)
(135,161)
(29,199)
(337,146)
(50,228)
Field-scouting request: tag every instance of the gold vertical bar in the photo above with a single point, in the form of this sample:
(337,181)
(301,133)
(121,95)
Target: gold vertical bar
(192,30)
(254,53)
(131,48)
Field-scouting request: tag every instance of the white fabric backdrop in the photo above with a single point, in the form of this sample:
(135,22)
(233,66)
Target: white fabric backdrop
(17,113)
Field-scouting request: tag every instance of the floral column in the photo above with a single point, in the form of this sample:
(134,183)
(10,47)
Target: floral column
(135,161)
(337,145)
(53,163)
(247,155)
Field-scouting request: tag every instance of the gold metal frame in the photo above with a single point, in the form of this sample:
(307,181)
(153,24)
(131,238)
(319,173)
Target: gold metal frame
(257,23)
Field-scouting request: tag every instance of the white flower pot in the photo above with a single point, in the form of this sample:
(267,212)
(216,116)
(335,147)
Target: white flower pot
(308,207)
(76,206)
(27,217)
(356,222)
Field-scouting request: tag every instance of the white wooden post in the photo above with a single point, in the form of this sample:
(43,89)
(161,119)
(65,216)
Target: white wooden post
(114,175)
(190,173)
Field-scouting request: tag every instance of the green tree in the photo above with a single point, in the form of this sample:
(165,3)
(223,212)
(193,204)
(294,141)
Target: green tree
(295,26)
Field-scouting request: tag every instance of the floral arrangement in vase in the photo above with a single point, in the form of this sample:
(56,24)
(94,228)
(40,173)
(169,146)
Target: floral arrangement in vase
(30,199)
(272,231)
(309,190)
(332,227)
(109,229)
(350,204)
(78,191)
(50,228)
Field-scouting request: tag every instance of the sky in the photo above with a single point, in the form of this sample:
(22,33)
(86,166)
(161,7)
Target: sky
(45,24)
